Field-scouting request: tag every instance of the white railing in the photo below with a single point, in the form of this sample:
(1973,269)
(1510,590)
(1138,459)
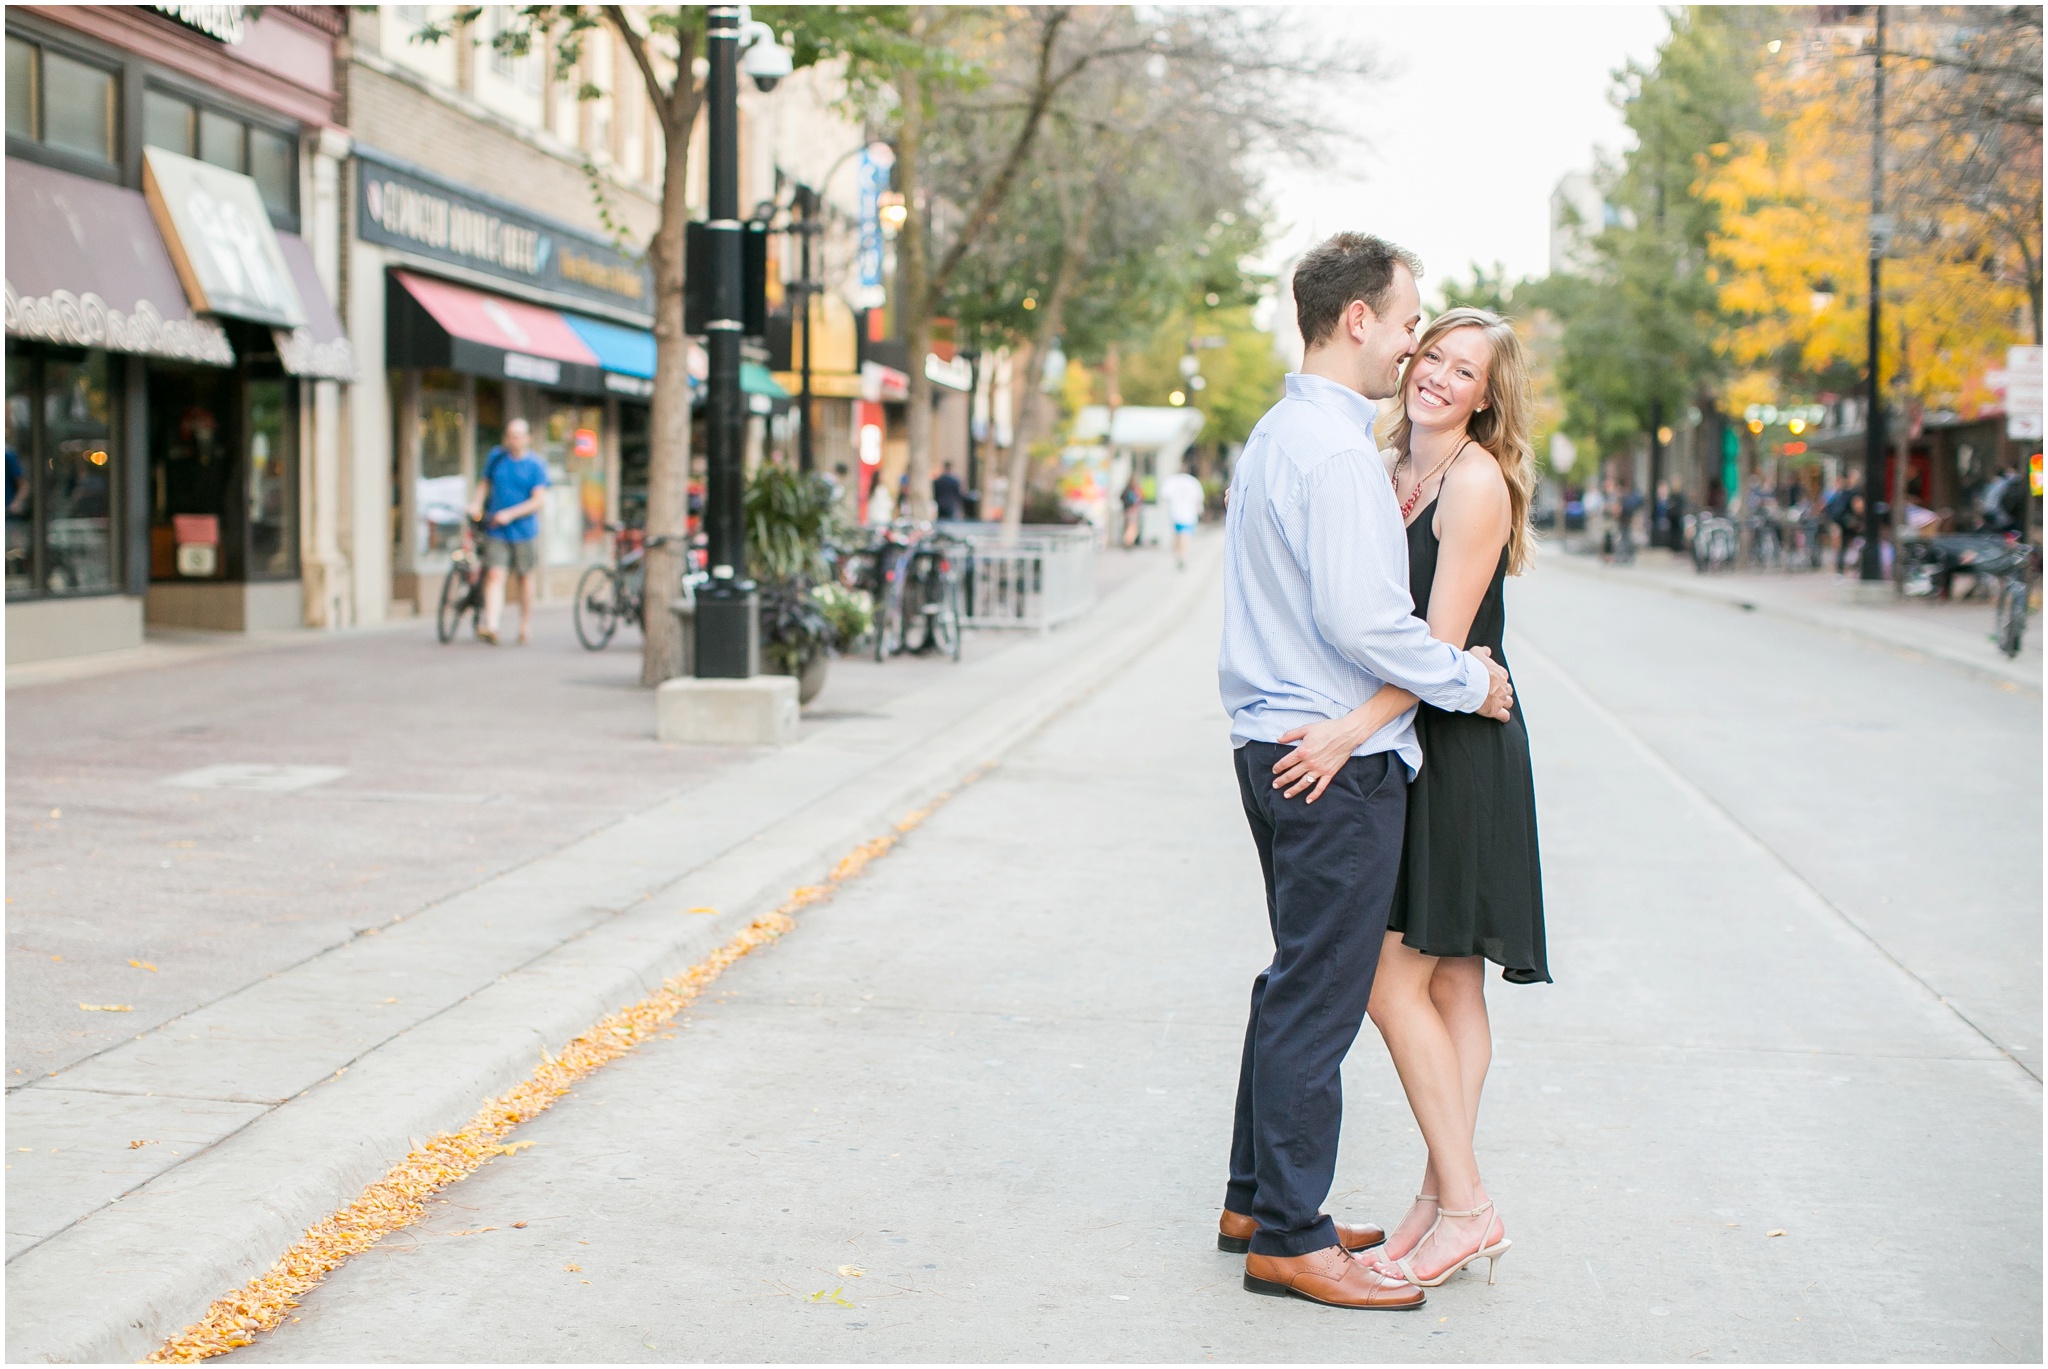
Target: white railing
(1039,581)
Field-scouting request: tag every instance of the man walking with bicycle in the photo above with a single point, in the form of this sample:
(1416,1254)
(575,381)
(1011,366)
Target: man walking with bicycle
(508,501)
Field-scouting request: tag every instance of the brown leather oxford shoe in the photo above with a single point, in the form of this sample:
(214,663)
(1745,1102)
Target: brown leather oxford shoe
(1331,1277)
(1234,1234)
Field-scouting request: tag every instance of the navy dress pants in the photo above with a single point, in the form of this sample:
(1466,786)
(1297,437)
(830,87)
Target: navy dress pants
(1330,868)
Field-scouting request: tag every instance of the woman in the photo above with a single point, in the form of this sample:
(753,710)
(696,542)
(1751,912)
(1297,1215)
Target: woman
(1470,888)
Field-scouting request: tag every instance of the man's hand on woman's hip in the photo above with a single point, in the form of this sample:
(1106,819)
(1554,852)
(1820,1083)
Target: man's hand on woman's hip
(1500,690)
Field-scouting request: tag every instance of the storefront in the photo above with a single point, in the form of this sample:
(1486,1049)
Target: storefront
(475,333)
(166,325)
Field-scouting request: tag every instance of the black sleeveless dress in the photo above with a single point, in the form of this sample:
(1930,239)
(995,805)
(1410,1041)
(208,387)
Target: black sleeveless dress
(1470,881)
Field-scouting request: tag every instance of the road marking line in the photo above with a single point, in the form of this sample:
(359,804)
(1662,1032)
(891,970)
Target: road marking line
(1741,831)
(398,1200)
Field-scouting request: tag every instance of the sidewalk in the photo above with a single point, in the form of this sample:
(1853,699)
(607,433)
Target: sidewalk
(1958,633)
(266,1099)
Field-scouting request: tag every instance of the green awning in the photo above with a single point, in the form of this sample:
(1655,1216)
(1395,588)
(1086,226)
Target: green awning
(755,379)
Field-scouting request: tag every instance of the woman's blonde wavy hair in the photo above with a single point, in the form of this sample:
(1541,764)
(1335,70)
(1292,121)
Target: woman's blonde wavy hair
(1502,427)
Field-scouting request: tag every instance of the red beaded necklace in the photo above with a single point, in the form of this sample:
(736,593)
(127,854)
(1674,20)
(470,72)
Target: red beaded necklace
(1408,504)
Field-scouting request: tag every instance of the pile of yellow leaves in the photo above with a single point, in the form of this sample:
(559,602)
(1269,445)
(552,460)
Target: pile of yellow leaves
(399,1199)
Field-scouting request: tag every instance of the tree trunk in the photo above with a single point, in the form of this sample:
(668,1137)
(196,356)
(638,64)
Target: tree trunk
(1052,317)
(914,295)
(668,465)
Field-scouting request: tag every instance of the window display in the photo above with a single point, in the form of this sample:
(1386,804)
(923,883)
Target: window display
(60,475)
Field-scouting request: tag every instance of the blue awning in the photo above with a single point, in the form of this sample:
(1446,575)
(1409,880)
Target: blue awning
(626,354)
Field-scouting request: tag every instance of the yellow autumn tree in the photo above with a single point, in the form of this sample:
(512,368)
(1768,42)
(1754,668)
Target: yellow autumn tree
(1790,257)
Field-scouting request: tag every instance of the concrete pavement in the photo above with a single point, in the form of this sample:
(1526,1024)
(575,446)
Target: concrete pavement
(977,1106)
(163,1168)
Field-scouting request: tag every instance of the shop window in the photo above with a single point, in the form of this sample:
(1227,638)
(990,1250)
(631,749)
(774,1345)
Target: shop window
(568,441)
(266,156)
(221,140)
(60,102)
(442,493)
(60,475)
(21,89)
(21,493)
(168,122)
(273,505)
(634,451)
(271,166)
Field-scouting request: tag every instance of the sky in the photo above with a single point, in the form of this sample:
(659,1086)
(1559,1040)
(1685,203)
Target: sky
(1485,107)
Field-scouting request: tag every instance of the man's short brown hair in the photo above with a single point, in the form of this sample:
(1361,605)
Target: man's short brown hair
(1340,269)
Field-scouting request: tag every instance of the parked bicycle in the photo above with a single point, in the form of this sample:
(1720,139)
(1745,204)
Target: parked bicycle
(1713,543)
(2015,572)
(914,578)
(607,596)
(463,591)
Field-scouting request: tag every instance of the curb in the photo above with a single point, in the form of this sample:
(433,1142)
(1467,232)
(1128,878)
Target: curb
(1708,592)
(115,1284)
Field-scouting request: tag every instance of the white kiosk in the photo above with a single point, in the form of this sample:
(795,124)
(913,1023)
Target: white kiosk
(1146,443)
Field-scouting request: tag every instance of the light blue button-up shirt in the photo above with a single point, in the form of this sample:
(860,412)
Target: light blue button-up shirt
(1316,612)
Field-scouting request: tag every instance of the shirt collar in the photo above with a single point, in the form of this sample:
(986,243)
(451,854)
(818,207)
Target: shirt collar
(1329,394)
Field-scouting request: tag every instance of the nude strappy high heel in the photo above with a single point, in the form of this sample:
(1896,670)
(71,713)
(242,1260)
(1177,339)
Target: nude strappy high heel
(1491,1253)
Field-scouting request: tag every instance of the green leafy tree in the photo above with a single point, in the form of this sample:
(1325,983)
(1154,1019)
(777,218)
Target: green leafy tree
(1639,330)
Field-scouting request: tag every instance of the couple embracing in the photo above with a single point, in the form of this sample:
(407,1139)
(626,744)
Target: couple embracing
(1382,761)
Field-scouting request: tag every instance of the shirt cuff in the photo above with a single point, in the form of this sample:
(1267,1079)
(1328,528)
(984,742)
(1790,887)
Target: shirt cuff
(1477,683)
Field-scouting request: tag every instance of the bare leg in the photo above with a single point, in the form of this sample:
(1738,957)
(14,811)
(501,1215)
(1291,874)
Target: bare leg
(494,598)
(1457,992)
(1426,1055)
(526,592)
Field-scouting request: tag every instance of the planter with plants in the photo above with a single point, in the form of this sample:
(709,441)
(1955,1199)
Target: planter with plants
(804,617)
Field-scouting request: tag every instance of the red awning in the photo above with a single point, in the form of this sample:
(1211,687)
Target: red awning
(86,267)
(519,329)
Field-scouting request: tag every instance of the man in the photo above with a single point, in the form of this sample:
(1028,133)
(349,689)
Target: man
(1183,495)
(508,502)
(947,495)
(1316,617)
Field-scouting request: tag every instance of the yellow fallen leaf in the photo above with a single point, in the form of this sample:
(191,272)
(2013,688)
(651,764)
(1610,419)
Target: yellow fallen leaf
(54,957)
(510,1148)
(850,1272)
(56,812)
(703,910)
(390,1000)
(132,1145)
(143,965)
(105,1007)
(1777,1232)
(573,1268)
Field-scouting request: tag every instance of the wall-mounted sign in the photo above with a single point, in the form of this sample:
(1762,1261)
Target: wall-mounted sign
(876,159)
(399,208)
(223,23)
(221,241)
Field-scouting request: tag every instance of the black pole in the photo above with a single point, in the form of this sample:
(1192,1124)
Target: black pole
(1870,567)
(1654,535)
(728,632)
(806,207)
(973,355)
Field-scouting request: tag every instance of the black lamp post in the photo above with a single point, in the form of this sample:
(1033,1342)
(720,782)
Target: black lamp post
(728,615)
(1871,567)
